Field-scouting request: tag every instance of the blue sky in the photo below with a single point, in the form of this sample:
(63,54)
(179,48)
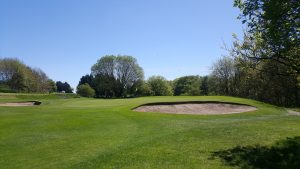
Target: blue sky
(66,37)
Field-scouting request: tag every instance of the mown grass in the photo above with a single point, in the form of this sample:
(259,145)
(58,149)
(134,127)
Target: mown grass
(67,132)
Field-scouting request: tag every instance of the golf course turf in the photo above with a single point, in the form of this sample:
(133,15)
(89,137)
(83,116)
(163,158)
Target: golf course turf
(66,132)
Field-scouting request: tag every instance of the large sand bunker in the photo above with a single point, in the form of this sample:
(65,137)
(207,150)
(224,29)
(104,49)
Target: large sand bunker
(18,104)
(195,108)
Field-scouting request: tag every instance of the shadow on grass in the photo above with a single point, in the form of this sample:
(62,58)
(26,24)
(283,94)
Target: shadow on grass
(284,154)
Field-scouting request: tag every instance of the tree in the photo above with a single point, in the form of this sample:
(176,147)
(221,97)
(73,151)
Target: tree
(204,86)
(106,86)
(128,72)
(22,78)
(144,89)
(13,73)
(116,76)
(274,44)
(17,82)
(59,86)
(187,85)
(276,24)
(159,86)
(39,82)
(250,78)
(86,79)
(223,71)
(85,90)
(8,67)
(106,65)
(52,86)
(63,87)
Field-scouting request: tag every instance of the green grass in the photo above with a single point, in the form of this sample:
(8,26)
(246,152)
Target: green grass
(67,132)
(14,97)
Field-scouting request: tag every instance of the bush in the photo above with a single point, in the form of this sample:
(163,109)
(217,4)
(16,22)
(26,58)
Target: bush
(85,90)
(144,89)
(160,86)
(187,85)
(6,89)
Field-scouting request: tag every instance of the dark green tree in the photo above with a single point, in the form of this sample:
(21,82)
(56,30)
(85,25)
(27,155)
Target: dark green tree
(86,79)
(144,89)
(52,86)
(187,85)
(63,87)
(106,86)
(204,86)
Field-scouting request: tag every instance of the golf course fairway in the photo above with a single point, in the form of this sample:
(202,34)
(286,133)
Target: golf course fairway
(66,132)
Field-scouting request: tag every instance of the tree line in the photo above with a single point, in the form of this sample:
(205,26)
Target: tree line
(15,76)
(121,76)
(264,65)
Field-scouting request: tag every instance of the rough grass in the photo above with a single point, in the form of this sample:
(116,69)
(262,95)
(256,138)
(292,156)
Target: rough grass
(6,97)
(72,133)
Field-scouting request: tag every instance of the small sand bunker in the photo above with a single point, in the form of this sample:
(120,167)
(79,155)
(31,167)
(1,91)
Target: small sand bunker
(18,104)
(195,108)
(292,112)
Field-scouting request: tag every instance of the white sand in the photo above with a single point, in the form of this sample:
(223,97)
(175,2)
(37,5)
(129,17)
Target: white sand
(292,112)
(16,104)
(196,108)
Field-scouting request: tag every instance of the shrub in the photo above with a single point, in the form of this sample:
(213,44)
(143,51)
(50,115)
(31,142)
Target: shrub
(85,90)
(160,86)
